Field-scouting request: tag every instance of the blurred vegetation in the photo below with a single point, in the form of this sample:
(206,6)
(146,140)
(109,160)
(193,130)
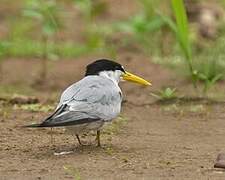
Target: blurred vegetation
(165,94)
(44,14)
(176,34)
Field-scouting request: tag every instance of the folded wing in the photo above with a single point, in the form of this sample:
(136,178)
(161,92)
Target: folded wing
(91,99)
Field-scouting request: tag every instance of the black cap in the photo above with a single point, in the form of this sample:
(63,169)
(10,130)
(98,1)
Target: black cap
(102,65)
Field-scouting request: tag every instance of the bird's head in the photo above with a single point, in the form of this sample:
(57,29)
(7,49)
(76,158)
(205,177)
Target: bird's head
(112,70)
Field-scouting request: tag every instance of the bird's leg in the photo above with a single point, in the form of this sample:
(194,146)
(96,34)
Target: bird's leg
(98,138)
(78,138)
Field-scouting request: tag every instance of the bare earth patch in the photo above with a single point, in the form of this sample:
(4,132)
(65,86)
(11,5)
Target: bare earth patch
(157,141)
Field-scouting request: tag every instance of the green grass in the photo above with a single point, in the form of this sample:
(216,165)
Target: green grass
(182,34)
(8,90)
(32,48)
(165,94)
(182,29)
(115,126)
(145,30)
(35,107)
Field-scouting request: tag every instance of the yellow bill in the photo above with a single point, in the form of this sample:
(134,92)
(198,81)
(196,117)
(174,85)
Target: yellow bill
(133,78)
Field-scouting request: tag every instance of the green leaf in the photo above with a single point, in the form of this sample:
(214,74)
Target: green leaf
(182,27)
(47,14)
(167,20)
(49,29)
(32,13)
(165,94)
(202,76)
(217,78)
(155,23)
(4,46)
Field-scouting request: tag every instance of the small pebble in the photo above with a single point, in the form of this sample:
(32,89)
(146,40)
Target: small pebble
(220,161)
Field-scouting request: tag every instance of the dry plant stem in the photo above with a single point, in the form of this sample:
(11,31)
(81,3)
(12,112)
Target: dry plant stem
(43,73)
(165,41)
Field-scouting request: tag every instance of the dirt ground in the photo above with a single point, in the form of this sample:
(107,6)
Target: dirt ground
(157,141)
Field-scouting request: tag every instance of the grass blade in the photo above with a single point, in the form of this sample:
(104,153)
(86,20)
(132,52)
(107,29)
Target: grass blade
(182,27)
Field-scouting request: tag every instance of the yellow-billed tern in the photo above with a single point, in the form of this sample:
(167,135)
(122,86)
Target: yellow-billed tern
(94,100)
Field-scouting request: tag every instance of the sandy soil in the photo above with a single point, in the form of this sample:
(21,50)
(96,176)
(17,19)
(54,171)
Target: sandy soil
(157,141)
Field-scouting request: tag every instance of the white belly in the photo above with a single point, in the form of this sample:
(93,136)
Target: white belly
(83,128)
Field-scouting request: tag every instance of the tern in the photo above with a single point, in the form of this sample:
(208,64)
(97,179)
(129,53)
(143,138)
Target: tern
(93,101)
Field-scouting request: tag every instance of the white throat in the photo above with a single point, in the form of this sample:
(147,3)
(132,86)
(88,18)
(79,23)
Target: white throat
(115,76)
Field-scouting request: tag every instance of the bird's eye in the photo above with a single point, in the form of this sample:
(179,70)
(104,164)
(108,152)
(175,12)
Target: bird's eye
(117,68)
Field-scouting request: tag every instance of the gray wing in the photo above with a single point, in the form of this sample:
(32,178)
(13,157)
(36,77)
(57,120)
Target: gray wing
(91,99)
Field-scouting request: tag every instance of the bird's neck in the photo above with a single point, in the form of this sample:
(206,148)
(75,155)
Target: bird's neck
(112,75)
